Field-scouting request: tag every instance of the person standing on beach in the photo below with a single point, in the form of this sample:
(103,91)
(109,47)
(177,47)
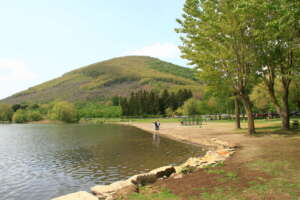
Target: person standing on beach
(156,125)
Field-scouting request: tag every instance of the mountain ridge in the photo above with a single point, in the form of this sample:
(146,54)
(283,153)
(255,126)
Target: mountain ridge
(114,77)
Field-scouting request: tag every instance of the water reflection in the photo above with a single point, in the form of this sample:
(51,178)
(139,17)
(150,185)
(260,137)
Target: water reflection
(155,139)
(45,161)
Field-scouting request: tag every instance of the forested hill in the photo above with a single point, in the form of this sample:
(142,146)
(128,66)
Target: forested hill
(103,80)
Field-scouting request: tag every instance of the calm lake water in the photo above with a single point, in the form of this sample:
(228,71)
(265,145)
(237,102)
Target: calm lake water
(39,162)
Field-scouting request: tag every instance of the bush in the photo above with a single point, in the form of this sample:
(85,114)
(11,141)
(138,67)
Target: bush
(64,111)
(191,107)
(169,112)
(34,116)
(20,116)
(5,112)
(97,110)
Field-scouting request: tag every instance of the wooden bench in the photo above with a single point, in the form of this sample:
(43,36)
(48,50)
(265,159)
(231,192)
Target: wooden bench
(295,123)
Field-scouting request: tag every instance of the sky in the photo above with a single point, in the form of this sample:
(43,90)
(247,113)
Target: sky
(43,39)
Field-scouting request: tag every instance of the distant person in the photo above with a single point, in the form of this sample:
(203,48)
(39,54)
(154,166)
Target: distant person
(156,125)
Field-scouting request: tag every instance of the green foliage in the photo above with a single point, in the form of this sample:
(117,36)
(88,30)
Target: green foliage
(172,69)
(21,116)
(34,115)
(6,112)
(63,111)
(169,112)
(216,171)
(163,194)
(97,110)
(191,107)
(145,103)
(26,115)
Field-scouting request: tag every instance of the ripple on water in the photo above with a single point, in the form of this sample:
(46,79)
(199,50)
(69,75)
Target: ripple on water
(46,161)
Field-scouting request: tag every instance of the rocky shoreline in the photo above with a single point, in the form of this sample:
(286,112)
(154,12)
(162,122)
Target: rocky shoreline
(221,151)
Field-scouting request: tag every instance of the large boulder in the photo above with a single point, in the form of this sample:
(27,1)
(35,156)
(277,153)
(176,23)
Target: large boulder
(213,157)
(163,171)
(77,196)
(108,191)
(143,179)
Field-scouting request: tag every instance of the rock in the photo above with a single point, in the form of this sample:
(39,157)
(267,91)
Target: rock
(77,196)
(213,157)
(224,144)
(178,176)
(194,162)
(224,153)
(144,179)
(108,191)
(163,171)
(126,191)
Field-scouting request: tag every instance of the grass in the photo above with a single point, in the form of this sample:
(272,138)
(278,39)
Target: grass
(149,194)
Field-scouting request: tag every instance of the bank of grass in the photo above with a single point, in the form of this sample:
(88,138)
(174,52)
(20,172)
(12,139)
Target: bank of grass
(273,174)
(148,193)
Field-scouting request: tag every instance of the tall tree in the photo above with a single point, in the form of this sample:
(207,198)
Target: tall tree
(216,39)
(275,36)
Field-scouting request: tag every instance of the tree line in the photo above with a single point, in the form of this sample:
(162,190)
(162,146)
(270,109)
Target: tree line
(241,44)
(57,110)
(143,103)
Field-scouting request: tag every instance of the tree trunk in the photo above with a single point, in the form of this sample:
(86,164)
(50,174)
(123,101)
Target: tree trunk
(237,113)
(283,110)
(285,113)
(248,108)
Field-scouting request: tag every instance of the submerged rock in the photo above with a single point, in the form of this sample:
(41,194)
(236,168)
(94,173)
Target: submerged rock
(77,196)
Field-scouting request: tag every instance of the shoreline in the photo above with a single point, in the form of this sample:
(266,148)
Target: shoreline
(153,132)
(217,152)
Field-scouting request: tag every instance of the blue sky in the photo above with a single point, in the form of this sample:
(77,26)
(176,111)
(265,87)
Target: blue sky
(40,40)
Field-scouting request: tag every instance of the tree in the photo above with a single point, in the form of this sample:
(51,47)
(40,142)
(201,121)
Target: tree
(164,101)
(191,107)
(169,112)
(6,112)
(275,36)
(20,116)
(216,40)
(64,111)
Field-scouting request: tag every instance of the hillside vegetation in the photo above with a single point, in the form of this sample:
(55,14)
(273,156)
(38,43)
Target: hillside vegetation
(115,77)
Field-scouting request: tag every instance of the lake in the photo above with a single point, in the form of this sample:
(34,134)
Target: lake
(39,162)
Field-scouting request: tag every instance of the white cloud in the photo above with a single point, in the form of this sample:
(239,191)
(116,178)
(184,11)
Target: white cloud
(159,50)
(14,70)
(15,76)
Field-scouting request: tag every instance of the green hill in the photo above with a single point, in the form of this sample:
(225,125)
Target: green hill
(102,80)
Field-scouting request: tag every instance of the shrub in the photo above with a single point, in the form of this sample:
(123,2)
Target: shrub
(64,111)
(34,116)
(169,112)
(20,116)
(5,112)
(191,107)
(97,110)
